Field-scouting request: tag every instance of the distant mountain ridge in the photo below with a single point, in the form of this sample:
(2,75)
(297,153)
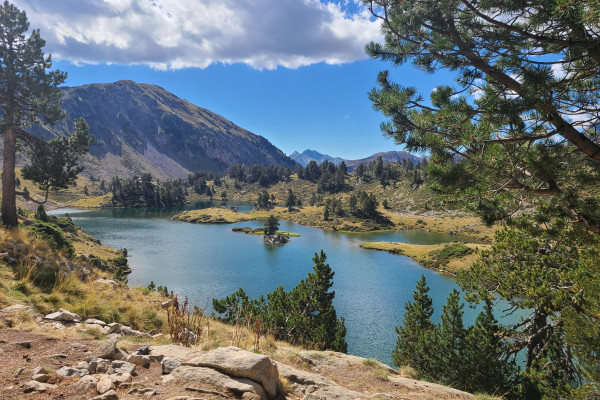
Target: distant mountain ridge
(312,155)
(144,128)
(389,156)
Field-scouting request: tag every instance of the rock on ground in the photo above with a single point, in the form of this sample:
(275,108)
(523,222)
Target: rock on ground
(35,386)
(168,364)
(110,395)
(63,315)
(175,351)
(318,386)
(244,364)
(209,376)
(104,384)
(107,349)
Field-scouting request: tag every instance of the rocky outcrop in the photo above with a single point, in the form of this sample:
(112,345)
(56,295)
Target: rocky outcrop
(63,315)
(316,386)
(238,386)
(276,239)
(106,371)
(242,364)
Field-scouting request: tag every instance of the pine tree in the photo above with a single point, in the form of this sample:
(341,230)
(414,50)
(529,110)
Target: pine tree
(449,366)
(291,200)
(326,213)
(30,95)
(412,345)
(272,225)
(314,303)
(485,369)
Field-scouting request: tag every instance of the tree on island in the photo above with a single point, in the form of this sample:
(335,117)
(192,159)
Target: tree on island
(272,225)
(30,95)
(516,139)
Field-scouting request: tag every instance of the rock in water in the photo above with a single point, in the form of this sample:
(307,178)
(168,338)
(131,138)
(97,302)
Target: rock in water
(276,239)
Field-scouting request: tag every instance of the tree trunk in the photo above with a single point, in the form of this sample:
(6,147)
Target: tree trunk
(9,200)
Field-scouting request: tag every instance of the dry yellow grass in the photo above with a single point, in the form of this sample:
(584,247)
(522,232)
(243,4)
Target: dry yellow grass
(93,202)
(213,216)
(62,197)
(426,255)
(453,224)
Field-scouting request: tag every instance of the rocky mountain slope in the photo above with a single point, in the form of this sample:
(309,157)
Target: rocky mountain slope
(144,128)
(389,156)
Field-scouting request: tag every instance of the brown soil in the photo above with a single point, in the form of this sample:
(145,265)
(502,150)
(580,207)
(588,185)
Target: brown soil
(18,362)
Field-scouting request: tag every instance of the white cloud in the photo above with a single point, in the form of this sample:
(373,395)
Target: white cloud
(173,34)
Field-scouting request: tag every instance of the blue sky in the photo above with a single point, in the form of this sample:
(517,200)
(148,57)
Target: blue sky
(293,71)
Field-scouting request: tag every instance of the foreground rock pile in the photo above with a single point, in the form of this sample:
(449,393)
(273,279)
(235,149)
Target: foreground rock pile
(45,367)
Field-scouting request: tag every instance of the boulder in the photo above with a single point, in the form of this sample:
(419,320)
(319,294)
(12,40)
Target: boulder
(35,386)
(175,351)
(107,349)
(63,315)
(114,327)
(68,371)
(98,366)
(144,350)
(238,386)
(41,378)
(17,308)
(132,332)
(105,383)
(80,347)
(137,359)
(92,321)
(243,364)
(85,384)
(316,386)
(110,395)
(168,364)
(123,367)
(39,370)
(120,355)
(276,239)
(83,365)
(118,379)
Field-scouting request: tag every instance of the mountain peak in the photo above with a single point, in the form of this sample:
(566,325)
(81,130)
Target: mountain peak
(142,127)
(390,156)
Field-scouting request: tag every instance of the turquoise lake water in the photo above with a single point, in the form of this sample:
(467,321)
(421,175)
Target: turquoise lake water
(206,261)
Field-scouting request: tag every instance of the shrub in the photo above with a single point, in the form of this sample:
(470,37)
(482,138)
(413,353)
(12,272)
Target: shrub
(55,237)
